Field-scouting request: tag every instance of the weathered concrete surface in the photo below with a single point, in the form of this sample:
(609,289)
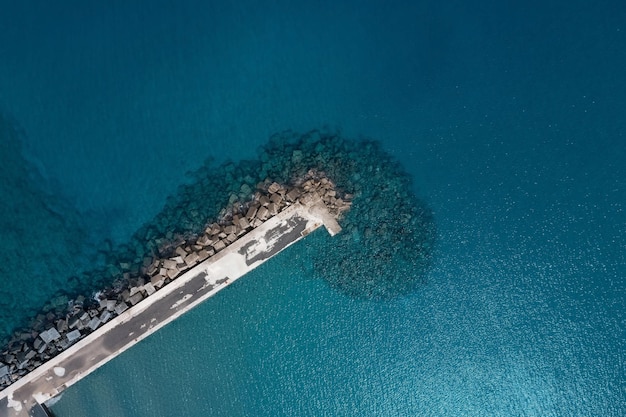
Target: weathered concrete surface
(22,399)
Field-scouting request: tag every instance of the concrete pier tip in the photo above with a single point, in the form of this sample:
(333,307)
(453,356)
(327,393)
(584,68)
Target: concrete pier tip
(176,285)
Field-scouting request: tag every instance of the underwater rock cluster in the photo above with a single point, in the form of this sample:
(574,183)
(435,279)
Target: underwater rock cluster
(42,237)
(388,234)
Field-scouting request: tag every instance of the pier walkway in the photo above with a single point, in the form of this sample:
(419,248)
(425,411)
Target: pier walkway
(27,396)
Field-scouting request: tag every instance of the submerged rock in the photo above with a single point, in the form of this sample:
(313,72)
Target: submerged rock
(388,237)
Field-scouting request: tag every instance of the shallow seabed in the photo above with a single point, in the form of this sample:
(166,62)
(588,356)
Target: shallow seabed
(510,121)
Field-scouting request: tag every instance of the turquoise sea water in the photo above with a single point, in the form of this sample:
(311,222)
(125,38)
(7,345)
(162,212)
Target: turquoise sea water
(510,119)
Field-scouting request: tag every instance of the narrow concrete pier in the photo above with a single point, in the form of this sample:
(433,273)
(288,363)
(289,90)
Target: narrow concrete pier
(28,395)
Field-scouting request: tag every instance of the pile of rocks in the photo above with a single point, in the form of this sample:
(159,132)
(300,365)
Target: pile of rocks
(388,236)
(55,331)
(385,249)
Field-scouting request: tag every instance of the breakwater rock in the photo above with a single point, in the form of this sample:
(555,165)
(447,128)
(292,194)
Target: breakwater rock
(383,252)
(56,331)
(389,236)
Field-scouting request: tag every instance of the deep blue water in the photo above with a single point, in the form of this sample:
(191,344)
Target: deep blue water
(510,118)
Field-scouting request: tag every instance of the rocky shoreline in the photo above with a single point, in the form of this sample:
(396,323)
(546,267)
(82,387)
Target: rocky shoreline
(65,321)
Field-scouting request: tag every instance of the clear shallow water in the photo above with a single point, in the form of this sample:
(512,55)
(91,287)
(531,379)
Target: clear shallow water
(510,120)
